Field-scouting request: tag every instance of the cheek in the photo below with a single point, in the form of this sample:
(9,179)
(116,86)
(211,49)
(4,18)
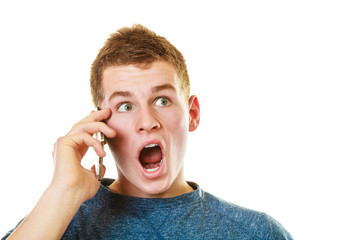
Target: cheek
(176,121)
(178,125)
(122,126)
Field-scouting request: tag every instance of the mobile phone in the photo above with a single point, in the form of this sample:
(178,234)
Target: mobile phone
(99,165)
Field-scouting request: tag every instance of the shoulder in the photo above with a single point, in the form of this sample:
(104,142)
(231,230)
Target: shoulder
(256,224)
(100,200)
(84,223)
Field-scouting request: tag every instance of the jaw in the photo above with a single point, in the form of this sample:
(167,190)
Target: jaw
(163,187)
(166,181)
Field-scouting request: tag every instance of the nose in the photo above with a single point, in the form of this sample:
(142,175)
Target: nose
(147,121)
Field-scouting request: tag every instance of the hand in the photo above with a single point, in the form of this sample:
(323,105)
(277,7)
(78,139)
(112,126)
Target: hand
(72,184)
(69,174)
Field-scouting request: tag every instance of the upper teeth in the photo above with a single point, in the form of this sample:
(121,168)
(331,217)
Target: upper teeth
(151,145)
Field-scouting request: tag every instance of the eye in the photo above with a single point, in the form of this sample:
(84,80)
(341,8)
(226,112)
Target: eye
(125,107)
(162,102)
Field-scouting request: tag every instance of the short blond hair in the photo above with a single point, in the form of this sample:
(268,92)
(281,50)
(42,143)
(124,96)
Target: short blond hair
(135,45)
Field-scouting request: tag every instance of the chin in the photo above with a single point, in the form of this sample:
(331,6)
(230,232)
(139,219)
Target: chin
(156,188)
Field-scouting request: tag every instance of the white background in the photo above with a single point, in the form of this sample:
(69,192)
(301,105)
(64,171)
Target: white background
(278,83)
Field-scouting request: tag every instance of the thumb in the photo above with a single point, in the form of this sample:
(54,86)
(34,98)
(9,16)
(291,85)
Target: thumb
(93,169)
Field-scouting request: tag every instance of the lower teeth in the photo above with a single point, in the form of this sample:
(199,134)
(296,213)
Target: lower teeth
(153,169)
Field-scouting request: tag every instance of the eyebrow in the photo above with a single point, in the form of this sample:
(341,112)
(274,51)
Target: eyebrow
(163,87)
(121,94)
(155,89)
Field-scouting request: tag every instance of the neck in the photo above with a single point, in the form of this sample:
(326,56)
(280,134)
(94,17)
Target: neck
(178,187)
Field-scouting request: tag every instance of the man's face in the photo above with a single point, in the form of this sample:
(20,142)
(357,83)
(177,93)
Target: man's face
(151,119)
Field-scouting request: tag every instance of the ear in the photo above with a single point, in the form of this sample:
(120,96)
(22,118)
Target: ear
(194,113)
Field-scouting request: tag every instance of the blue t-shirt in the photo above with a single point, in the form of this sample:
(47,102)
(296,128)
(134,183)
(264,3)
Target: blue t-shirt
(194,215)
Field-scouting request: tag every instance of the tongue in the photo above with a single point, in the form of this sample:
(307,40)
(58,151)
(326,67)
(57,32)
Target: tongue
(150,155)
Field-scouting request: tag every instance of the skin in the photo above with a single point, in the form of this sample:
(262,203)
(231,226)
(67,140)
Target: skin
(159,113)
(126,132)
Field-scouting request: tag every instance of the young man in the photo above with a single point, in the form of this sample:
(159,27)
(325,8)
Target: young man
(140,82)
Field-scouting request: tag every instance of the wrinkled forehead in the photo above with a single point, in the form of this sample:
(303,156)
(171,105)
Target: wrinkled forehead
(143,66)
(132,78)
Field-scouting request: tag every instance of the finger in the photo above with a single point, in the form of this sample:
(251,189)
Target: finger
(81,139)
(97,116)
(103,172)
(93,169)
(92,128)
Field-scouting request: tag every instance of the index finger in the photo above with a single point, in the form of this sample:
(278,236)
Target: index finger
(97,116)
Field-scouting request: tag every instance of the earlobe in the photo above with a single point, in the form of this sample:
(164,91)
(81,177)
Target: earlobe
(194,113)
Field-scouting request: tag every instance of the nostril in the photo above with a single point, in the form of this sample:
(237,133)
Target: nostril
(150,128)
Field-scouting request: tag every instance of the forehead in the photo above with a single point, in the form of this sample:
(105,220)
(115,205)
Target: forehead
(133,78)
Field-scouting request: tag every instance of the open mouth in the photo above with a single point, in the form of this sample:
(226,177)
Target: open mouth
(151,157)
